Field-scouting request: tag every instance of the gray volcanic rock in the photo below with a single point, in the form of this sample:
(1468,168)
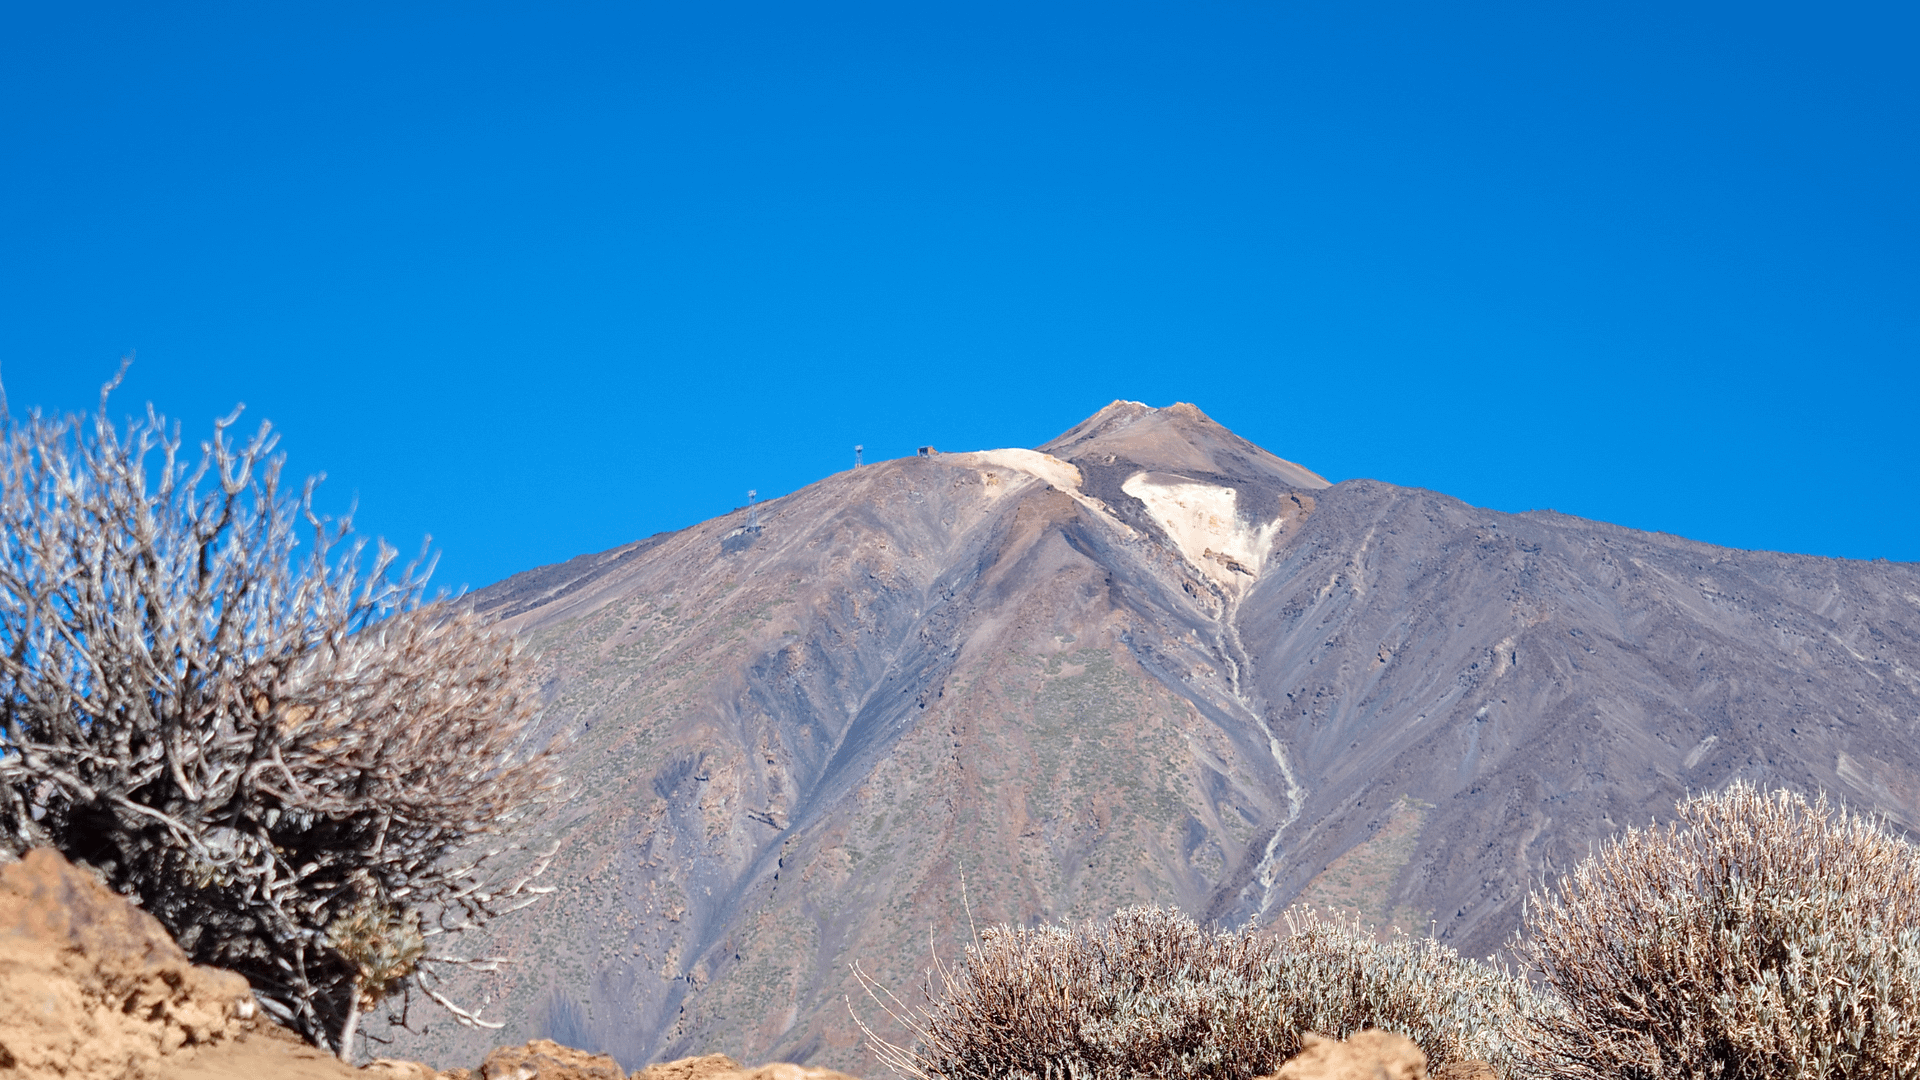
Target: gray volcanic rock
(1150,662)
(1528,684)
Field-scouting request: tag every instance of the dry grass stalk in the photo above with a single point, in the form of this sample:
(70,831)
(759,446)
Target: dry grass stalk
(278,752)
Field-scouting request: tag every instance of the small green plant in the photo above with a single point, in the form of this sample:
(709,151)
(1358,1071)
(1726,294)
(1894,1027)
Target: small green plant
(1759,937)
(381,944)
(1149,992)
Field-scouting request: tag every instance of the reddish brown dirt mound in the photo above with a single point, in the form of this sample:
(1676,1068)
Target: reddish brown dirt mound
(266,1051)
(91,986)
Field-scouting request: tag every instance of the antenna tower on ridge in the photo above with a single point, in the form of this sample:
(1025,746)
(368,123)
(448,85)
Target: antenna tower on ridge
(856,454)
(753,512)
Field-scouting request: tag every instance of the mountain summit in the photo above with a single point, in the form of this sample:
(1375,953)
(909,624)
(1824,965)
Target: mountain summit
(1148,662)
(1129,436)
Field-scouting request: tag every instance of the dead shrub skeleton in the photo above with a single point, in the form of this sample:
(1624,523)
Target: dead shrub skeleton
(291,757)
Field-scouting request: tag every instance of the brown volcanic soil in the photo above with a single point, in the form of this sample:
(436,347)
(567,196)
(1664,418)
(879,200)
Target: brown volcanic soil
(92,988)
(1099,677)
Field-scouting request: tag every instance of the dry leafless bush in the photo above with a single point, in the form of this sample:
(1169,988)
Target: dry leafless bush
(1758,937)
(1150,993)
(287,756)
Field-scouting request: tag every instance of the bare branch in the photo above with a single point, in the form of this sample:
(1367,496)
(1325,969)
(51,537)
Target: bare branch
(225,703)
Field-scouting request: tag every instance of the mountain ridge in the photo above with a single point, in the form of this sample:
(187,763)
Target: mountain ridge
(1147,662)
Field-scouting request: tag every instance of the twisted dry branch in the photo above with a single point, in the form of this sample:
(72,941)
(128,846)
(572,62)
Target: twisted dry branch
(237,713)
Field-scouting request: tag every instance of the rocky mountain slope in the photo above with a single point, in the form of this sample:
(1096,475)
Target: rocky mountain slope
(1149,662)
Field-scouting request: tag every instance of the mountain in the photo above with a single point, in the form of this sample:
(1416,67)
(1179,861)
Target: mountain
(1148,662)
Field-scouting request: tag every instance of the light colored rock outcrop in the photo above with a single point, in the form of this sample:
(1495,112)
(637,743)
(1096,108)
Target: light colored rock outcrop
(1206,523)
(704,1067)
(782,1070)
(544,1059)
(1367,1055)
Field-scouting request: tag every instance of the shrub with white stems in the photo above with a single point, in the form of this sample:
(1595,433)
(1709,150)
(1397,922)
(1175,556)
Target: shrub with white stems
(1759,937)
(282,750)
(1149,992)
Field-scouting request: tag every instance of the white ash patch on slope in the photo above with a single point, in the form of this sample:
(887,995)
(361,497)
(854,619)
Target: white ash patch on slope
(1204,521)
(1061,475)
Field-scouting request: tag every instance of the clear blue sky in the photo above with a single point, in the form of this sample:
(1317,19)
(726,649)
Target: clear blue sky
(541,279)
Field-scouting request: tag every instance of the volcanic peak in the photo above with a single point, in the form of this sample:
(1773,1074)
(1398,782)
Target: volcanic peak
(1146,663)
(1179,439)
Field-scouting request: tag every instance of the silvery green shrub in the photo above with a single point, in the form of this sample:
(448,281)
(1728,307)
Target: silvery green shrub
(1148,992)
(1758,937)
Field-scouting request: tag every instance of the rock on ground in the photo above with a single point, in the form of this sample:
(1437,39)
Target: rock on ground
(91,986)
(782,1070)
(705,1067)
(1368,1055)
(543,1059)
(397,1069)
